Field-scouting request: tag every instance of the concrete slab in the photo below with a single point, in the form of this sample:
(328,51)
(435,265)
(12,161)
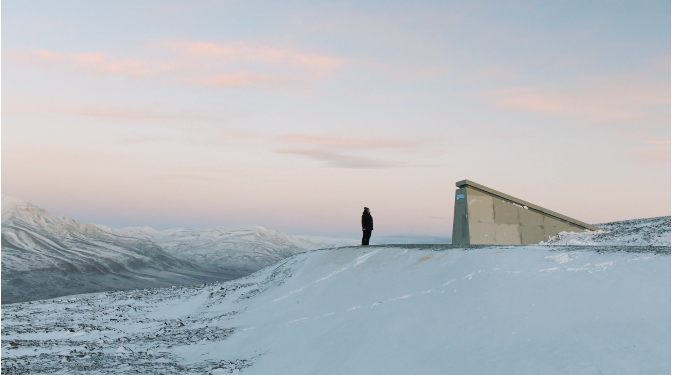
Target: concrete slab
(505,212)
(531,234)
(480,207)
(507,234)
(482,234)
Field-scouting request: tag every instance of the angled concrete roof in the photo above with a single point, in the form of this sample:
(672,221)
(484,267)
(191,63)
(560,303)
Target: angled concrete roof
(524,203)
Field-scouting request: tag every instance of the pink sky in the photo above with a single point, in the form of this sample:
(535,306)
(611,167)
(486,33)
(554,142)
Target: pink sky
(295,116)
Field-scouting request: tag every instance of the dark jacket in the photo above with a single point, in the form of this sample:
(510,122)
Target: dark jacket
(367,221)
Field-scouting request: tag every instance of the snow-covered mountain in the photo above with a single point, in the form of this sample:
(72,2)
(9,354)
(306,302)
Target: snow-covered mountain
(237,250)
(33,239)
(44,256)
(396,309)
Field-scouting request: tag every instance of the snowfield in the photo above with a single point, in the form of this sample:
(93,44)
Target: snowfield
(425,309)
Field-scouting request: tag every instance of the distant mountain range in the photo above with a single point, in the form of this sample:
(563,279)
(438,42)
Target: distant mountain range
(44,256)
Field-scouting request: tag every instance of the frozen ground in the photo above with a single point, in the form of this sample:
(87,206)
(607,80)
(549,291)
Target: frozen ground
(424,309)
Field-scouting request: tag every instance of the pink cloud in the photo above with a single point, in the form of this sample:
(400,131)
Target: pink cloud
(95,62)
(658,155)
(98,112)
(129,113)
(660,151)
(243,52)
(527,99)
(602,100)
(239,79)
(201,64)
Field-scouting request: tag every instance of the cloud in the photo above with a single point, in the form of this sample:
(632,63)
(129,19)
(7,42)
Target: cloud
(52,155)
(240,79)
(130,113)
(95,62)
(598,100)
(657,155)
(309,140)
(250,53)
(198,64)
(660,151)
(340,160)
(358,153)
(523,99)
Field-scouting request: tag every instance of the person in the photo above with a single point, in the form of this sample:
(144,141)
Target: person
(367,226)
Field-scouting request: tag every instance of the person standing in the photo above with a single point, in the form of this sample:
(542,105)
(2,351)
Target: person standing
(367,226)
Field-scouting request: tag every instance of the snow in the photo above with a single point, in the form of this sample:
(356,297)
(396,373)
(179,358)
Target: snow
(389,309)
(640,232)
(250,249)
(11,205)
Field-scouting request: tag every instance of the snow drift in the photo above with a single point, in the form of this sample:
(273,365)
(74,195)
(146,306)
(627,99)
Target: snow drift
(639,232)
(432,309)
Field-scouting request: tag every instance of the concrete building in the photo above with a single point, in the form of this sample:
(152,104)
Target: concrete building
(483,216)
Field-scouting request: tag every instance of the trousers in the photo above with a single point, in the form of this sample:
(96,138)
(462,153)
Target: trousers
(366,234)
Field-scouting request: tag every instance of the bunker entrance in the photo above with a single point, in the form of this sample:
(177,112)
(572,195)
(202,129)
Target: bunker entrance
(484,216)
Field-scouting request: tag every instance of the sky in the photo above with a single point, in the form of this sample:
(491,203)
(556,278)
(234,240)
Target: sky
(295,115)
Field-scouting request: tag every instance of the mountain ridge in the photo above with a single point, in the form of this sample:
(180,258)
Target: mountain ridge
(46,256)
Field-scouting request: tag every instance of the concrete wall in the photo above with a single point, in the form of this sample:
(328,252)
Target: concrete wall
(483,216)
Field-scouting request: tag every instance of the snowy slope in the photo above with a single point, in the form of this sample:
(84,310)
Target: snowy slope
(639,232)
(44,256)
(432,309)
